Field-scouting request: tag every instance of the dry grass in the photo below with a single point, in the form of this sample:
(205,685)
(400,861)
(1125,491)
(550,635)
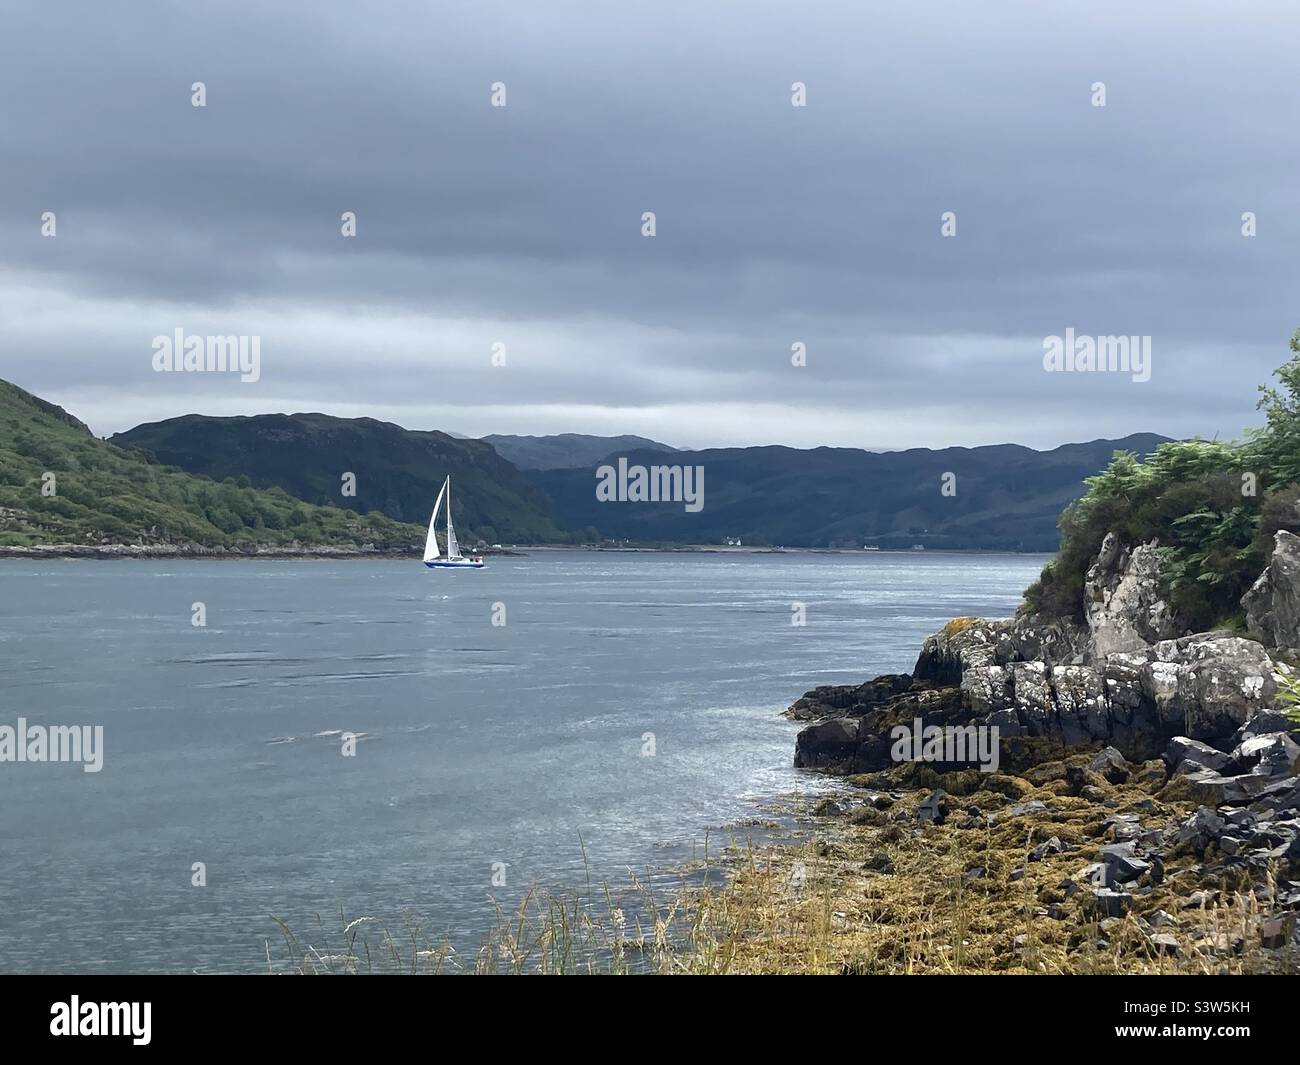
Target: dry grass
(890,897)
(873,891)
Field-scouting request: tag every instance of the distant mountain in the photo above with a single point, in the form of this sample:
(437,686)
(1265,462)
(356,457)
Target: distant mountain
(567,450)
(398,471)
(61,485)
(1006,497)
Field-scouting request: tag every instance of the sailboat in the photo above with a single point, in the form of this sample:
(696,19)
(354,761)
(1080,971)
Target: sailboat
(454,559)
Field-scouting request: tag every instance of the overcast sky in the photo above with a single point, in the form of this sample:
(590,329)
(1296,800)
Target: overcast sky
(775,224)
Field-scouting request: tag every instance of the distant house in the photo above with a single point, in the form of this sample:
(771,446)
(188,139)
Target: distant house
(732,541)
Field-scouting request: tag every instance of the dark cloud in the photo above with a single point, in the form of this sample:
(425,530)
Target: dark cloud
(776,224)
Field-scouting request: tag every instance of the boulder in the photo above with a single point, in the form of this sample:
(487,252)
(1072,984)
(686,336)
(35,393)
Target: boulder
(1121,864)
(1111,765)
(1200,830)
(1271,755)
(828,744)
(1212,681)
(1210,787)
(1106,902)
(1183,747)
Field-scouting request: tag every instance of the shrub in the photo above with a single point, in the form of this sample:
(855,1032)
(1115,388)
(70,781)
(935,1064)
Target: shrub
(1200,500)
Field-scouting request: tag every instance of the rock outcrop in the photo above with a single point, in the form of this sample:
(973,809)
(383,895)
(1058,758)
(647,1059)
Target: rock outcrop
(1145,765)
(1273,603)
(838,700)
(1126,681)
(1123,600)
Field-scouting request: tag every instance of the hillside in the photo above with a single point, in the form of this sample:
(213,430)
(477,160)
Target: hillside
(105,494)
(398,471)
(567,450)
(1007,497)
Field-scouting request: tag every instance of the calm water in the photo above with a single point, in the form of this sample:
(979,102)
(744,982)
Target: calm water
(482,743)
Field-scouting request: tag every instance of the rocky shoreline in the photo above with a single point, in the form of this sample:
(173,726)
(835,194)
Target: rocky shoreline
(1146,808)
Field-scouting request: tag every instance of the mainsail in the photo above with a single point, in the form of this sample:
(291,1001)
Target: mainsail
(453,548)
(431,543)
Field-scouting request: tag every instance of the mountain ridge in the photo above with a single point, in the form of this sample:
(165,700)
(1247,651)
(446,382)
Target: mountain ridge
(62,485)
(397,471)
(566,450)
(847,497)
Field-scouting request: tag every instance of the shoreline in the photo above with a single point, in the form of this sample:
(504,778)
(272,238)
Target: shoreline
(113,552)
(153,552)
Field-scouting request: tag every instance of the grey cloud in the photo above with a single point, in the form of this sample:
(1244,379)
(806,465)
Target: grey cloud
(775,224)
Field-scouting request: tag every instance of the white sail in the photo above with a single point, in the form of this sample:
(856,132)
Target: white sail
(453,548)
(431,543)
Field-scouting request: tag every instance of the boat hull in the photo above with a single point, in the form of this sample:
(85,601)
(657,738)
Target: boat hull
(458,564)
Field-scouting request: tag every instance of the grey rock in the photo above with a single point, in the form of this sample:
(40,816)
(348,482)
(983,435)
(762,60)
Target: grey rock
(1220,681)
(1200,830)
(827,744)
(1006,722)
(1273,602)
(1081,706)
(1110,903)
(948,654)
(1032,691)
(1123,605)
(1274,932)
(847,700)
(1164,943)
(934,807)
(1110,764)
(1272,754)
(1051,846)
(1182,748)
(1212,788)
(987,690)
(1121,864)
(1094,873)
(1264,722)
